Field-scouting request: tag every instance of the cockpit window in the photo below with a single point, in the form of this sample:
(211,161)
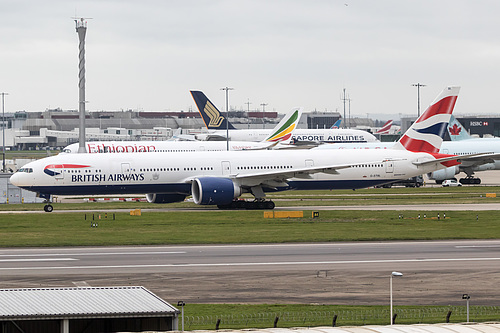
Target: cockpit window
(66,150)
(26,170)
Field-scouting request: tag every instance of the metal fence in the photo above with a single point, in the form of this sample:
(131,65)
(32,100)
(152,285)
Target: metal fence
(345,317)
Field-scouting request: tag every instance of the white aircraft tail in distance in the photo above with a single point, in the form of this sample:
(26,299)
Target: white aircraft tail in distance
(216,124)
(456,131)
(219,178)
(385,128)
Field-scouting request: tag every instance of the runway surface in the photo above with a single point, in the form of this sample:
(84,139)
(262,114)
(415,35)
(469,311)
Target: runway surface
(331,273)
(435,273)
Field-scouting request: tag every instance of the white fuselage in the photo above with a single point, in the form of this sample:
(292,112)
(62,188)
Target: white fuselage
(463,147)
(164,146)
(133,173)
(299,134)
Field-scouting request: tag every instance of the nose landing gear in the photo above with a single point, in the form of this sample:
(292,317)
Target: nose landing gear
(48,207)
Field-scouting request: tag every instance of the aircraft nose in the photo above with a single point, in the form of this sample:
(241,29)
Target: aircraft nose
(15,179)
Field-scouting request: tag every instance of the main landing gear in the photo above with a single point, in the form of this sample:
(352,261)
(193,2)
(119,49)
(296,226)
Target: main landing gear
(244,204)
(470,180)
(259,203)
(48,208)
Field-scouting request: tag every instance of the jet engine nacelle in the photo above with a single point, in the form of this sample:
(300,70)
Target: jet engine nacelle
(443,174)
(214,191)
(165,197)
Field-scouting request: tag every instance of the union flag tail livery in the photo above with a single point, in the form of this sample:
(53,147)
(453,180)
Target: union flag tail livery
(385,129)
(426,134)
(212,117)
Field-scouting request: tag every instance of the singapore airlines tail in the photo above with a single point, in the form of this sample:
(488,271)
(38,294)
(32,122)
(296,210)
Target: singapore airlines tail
(456,131)
(426,133)
(212,117)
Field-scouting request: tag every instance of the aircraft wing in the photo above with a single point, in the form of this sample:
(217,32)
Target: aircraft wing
(269,145)
(480,160)
(275,178)
(211,137)
(184,137)
(461,158)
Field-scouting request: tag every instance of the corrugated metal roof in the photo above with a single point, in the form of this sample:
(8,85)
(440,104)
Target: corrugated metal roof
(420,328)
(81,302)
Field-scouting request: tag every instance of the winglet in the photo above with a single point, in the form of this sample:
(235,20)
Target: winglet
(283,131)
(426,134)
(211,116)
(456,131)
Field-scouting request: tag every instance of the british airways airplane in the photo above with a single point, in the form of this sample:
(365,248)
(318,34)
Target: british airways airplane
(219,178)
(216,124)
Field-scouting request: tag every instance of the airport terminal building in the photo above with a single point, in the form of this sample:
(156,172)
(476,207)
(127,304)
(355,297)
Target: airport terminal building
(58,128)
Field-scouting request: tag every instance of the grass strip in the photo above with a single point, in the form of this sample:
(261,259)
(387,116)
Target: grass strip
(95,228)
(237,316)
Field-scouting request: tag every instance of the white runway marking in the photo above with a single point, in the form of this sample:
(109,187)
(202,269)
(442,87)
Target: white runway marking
(33,259)
(87,254)
(257,263)
(476,246)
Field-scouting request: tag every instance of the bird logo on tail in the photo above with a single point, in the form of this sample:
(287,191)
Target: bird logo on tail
(215,118)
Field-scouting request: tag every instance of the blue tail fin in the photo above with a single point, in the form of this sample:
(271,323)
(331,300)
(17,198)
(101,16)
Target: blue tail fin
(456,131)
(212,117)
(337,124)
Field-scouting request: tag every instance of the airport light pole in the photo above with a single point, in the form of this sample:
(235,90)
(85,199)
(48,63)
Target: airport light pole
(248,112)
(393,274)
(349,100)
(467,297)
(344,99)
(227,115)
(263,113)
(3,131)
(181,304)
(418,85)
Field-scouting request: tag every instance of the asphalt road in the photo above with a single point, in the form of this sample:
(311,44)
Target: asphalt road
(332,273)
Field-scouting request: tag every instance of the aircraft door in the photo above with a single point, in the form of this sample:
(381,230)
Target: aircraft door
(309,163)
(389,166)
(125,168)
(126,171)
(60,175)
(226,168)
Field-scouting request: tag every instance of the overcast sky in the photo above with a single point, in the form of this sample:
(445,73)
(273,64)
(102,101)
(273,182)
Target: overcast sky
(148,54)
